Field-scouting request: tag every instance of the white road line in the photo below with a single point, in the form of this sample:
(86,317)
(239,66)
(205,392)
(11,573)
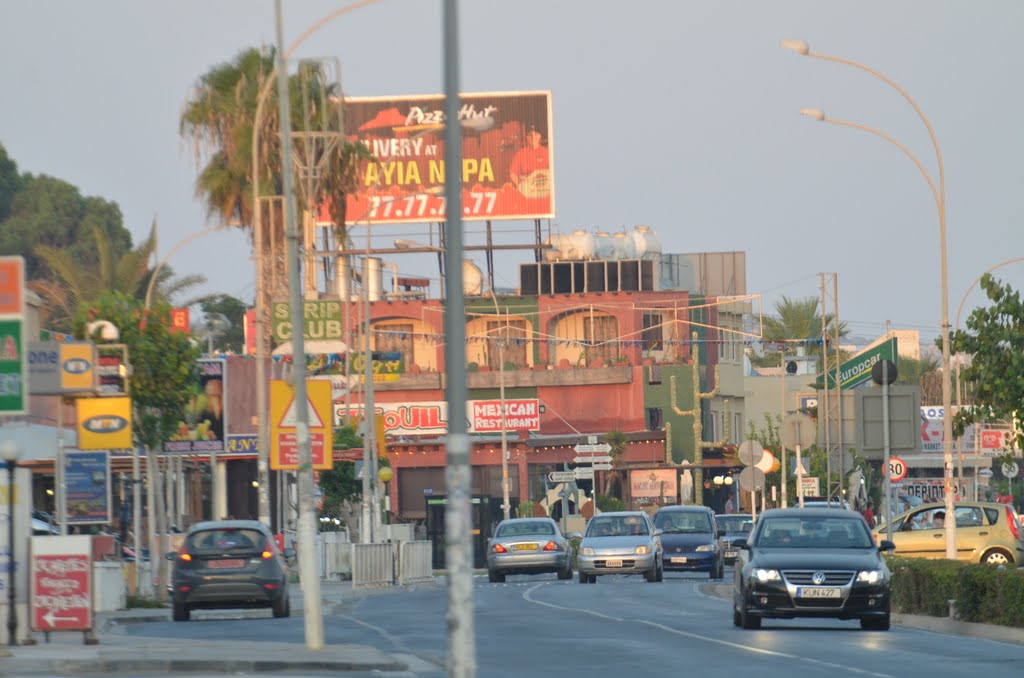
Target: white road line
(710,639)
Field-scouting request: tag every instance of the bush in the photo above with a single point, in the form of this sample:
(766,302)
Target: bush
(134,601)
(991,595)
(608,503)
(922,586)
(984,594)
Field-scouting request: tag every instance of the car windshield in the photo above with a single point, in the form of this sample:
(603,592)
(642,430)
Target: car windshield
(616,526)
(520,529)
(735,523)
(813,532)
(225,540)
(682,522)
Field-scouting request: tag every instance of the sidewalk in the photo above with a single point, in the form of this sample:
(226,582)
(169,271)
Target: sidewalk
(118,653)
(952,627)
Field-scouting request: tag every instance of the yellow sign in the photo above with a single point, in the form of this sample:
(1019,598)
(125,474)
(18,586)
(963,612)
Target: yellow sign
(104,423)
(284,449)
(77,367)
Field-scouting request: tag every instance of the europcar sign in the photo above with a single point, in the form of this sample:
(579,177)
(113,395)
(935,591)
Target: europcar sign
(857,370)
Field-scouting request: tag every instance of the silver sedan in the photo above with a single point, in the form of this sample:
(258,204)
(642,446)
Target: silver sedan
(528,546)
(621,542)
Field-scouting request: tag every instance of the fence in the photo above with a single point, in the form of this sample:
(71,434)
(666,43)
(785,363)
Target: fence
(372,565)
(414,562)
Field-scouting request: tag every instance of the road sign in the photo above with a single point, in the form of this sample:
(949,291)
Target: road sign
(985,473)
(561,477)
(61,583)
(602,467)
(750,452)
(584,473)
(857,369)
(751,479)
(797,429)
(600,448)
(592,459)
(897,469)
(1011,469)
(284,450)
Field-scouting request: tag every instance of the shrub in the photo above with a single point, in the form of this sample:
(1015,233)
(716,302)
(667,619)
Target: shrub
(922,586)
(991,595)
(608,503)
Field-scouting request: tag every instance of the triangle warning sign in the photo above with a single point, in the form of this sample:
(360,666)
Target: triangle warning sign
(289,419)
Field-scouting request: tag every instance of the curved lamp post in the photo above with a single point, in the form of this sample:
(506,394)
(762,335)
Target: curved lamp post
(9,453)
(939,193)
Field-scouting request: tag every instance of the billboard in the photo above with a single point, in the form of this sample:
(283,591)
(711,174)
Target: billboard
(87,482)
(431,417)
(507,163)
(205,422)
(104,423)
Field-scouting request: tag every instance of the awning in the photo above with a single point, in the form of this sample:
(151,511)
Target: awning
(314,347)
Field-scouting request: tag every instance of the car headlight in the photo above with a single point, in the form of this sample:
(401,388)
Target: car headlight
(587,551)
(870,576)
(765,575)
(642,550)
(706,547)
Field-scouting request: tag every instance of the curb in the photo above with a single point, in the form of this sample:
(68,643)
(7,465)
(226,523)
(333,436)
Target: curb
(153,666)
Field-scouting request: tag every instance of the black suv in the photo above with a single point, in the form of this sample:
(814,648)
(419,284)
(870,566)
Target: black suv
(229,564)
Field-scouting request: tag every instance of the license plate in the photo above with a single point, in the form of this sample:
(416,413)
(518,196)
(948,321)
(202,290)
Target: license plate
(613,563)
(226,563)
(525,547)
(677,560)
(817,592)
(731,554)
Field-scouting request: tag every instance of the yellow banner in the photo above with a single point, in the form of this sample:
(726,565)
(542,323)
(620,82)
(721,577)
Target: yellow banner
(77,367)
(104,423)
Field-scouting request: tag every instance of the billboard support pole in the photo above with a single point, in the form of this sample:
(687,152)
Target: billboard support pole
(61,499)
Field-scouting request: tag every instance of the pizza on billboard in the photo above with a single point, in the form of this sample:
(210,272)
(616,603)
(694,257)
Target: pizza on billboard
(507,163)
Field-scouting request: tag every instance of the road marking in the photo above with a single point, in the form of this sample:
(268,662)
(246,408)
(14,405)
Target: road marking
(527,596)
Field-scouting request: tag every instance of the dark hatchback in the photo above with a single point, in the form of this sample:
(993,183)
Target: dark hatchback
(736,526)
(691,539)
(811,563)
(229,564)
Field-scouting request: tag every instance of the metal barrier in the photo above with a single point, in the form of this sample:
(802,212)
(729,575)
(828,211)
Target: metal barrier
(372,565)
(414,562)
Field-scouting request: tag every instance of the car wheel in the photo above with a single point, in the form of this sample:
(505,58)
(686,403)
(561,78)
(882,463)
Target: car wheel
(747,620)
(282,607)
(661,571)
(735,616)
(180,612)
(651,575)
(996,557)
(495,577)
(875,623)
(566,573)
(720,570)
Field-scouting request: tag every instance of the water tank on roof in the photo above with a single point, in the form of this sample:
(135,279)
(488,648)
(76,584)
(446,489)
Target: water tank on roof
(623,246)
(648,243)
(576,246)
(605,245)
(472,279)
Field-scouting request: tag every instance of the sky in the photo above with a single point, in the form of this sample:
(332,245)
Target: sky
(679,114)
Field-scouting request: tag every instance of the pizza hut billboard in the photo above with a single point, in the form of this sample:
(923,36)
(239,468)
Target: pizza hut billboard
(507,164)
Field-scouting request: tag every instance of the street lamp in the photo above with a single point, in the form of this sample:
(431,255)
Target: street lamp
(502,334)
(802,48)
(9,452)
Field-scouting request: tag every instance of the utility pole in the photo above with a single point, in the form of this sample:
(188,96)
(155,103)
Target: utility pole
(313,614)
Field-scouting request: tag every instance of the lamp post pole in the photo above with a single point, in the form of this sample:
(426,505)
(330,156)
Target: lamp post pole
(939,193)
(10,457)
(506,507)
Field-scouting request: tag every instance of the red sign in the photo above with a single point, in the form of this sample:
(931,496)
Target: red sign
(179,320)
(507,166)
(289,446)
(485,415)
(994,439)
(249,328)
(12,285)
(62,584)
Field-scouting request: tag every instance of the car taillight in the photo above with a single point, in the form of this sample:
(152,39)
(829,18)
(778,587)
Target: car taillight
(1011,518)
(185,556)
(551,546)
(268,551)
(498,548)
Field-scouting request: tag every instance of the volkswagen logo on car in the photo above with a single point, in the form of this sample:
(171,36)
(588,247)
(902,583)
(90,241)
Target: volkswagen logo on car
(818,578)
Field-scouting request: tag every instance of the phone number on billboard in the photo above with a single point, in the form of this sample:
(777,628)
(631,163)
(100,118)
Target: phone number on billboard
(423,205)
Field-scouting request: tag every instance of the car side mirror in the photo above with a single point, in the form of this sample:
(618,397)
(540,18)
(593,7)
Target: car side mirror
(886,545)
(740,544)
(658,533)
(575,535)
(171,555)
(289,553)
(721,533)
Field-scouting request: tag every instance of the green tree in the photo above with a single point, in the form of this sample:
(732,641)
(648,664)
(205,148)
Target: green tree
(795,321)
(163,366)
(618,441)
(234,310)
(994,340)
(10,183)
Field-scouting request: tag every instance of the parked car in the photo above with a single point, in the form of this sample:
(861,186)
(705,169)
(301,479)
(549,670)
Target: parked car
(528,546)
(620,542)
(736,526)
(229,564)
(811,563)
(986,532)
(825,502)
(691,539)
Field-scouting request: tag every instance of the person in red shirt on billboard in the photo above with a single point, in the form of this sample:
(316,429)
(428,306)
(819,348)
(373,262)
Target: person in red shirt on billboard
(526,164)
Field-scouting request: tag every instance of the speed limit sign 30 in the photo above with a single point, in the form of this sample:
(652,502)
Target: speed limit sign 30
(897,469)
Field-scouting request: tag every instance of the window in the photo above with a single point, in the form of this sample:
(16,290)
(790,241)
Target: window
(737,426)
(398,338)
(652,334)
(712,427)
(512,334)
(655,419)
(601,334)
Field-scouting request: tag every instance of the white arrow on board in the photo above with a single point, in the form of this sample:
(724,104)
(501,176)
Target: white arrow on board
(50,618)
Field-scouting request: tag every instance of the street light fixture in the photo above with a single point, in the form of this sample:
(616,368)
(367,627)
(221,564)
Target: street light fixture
(9,451)
(939,193)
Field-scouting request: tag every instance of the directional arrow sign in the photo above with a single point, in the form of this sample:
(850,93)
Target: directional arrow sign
(592,459)
(584,473)
(561,477)
(600,448)
(602,467)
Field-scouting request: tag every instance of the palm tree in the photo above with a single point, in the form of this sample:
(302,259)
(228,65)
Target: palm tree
(798,319)
(618,441)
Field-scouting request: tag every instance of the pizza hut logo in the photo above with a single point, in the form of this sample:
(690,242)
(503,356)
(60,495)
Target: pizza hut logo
(77,366)
(105,424)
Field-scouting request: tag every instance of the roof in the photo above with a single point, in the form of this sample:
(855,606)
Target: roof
(685,508)
(809,512)
(227,524)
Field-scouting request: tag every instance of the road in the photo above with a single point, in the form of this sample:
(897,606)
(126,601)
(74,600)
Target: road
(620,626)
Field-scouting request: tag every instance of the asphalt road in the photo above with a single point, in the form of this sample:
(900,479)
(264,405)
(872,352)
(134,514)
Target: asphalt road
(531,626)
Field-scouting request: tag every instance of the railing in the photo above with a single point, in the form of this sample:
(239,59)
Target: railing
(414,563)
(372,565)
